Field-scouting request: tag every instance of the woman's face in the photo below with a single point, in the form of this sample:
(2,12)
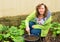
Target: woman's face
(41,9)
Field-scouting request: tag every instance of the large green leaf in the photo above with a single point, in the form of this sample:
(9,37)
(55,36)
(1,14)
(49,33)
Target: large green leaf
(1,27)
(18,39)
(1,37)
(21,31)
(22,26)
(58,32)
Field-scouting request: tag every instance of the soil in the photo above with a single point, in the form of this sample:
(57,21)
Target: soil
(31,38)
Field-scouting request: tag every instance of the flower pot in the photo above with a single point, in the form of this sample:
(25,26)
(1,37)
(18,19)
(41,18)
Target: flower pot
(31,38)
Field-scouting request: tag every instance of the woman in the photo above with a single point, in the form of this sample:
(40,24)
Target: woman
(38,22)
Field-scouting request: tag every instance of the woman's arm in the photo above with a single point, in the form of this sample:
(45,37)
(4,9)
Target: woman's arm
(31,16)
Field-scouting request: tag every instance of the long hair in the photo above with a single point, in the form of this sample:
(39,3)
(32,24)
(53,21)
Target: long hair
(37,12)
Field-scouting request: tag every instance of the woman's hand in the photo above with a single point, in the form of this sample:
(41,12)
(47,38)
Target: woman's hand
(33,26)
(27,29)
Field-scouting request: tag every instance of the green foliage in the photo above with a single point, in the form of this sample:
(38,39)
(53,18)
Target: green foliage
(3,28)
(1,37)
(22,26)
(6,41)
(21,31)
(13,33)
(55,26)
(18,39)
(6,35)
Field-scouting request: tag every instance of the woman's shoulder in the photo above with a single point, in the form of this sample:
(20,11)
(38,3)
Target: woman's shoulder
(48,14)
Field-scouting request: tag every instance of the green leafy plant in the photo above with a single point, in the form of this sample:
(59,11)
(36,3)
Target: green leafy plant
(3,31)
(15,31)
(55,27)
(1,37)
(21,31)
(15,34)
(18,39)
(12,33)
(3,28)
(22,26)
(6,41)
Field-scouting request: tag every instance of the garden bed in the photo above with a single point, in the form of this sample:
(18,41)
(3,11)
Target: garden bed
(16,22)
